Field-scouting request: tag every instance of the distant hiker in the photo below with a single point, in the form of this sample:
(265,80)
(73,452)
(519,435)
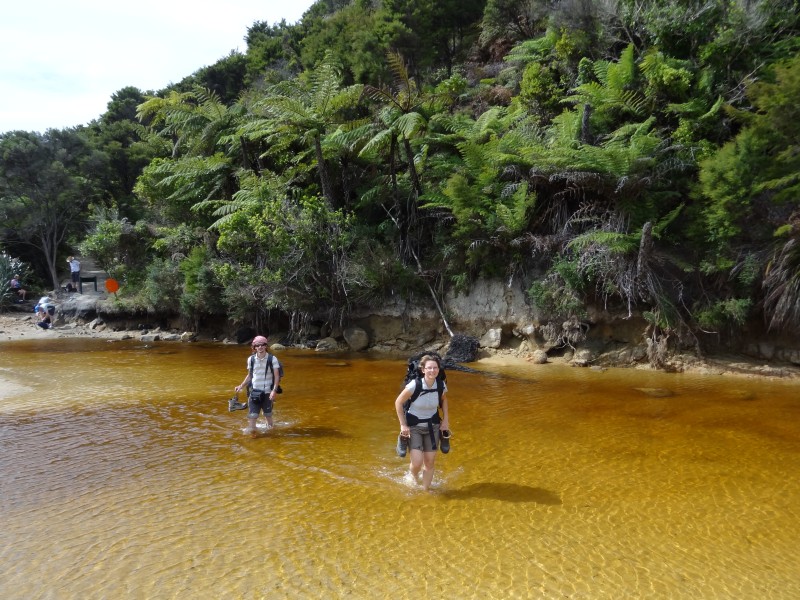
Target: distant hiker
(16,286)
(417,409)
(45,305)
(75,272)
(263,379)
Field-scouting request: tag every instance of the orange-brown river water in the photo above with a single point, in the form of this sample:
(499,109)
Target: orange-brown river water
(123,475)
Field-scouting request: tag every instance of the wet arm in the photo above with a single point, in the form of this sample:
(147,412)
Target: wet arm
(275,382)
(244,383)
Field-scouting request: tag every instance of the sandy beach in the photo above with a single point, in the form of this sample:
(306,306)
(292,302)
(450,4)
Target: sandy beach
(16,326)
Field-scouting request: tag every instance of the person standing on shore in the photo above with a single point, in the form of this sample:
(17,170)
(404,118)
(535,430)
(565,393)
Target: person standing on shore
(264,376)
(420,422)
(75,272)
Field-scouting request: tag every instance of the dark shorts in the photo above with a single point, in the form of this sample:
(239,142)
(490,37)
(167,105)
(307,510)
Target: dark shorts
(76,276)
(258,402)
(421,437)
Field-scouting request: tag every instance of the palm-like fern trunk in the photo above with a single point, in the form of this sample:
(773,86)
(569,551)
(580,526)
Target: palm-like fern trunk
(324,177)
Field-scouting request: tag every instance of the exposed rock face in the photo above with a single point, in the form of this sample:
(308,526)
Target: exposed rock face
(79,307)
(489,304)
(498,314)
(356,338)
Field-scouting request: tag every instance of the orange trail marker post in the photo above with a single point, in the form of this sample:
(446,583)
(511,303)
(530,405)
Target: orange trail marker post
(112,285)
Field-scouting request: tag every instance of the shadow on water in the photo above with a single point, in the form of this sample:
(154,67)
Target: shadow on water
(508,492)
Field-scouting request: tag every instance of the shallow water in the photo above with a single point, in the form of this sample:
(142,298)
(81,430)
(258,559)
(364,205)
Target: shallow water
(123,475)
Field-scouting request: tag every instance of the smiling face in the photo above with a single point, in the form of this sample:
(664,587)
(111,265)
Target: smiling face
(430,369)
(260,344)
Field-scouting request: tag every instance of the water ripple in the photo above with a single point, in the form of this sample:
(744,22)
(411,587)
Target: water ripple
(133,480)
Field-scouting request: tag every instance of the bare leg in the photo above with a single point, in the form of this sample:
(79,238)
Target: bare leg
(416,462)
(429,458)
(251,425)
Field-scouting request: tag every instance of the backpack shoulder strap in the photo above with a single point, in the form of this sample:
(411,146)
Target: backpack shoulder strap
(417,389)
(415,394)
(271,368)
(250,362)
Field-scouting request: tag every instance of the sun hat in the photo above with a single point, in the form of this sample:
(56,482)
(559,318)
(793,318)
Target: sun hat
(259,339)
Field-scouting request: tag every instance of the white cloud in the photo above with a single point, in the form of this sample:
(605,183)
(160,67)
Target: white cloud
(61,60)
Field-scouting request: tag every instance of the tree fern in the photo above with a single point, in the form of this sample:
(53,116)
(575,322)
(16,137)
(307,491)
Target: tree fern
(514,217)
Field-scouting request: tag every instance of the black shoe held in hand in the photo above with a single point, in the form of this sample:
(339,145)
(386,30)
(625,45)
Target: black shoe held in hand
(444,441)
(402,446)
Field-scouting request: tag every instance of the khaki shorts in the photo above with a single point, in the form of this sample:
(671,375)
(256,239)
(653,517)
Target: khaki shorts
(421,437)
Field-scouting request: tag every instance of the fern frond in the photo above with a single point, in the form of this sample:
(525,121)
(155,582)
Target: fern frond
(409,124)
(623,243)
(377,143)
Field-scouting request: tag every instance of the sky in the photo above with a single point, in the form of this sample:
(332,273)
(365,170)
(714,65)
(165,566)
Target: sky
(62,60)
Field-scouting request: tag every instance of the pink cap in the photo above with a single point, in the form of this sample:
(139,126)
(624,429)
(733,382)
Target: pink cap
(259,339)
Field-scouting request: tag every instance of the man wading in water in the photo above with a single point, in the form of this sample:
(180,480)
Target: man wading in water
(264,375)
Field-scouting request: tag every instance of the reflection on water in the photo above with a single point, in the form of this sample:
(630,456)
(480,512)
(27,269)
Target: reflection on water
(124,475)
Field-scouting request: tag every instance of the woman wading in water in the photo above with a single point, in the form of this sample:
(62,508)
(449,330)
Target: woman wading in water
(420,423)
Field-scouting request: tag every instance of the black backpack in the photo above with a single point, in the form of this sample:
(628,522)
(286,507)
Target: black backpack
(413,372)
(251,362)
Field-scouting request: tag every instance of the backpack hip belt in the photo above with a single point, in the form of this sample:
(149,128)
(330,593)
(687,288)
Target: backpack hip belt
(435,418)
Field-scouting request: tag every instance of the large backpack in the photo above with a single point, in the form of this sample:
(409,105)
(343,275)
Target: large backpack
(252,361)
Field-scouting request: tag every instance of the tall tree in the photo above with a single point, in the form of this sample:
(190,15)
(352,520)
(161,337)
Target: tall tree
(45,185)
(303,110)
(400,119)
(128,145)
(752,186)
(206,155)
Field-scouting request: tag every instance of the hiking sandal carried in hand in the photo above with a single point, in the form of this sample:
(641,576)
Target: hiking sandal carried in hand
(444,440)
(234,404)
(402,445)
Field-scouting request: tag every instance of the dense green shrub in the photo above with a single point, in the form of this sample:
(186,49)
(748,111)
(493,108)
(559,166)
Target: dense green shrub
(201,295)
